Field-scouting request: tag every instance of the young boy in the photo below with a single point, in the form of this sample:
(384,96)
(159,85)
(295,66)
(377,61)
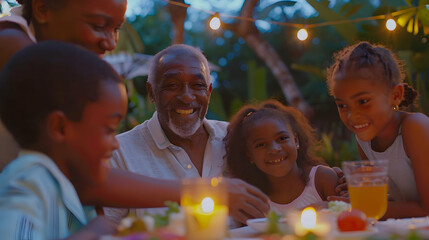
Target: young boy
(62,104)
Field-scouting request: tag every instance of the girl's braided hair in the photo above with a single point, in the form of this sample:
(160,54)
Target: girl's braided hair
(381,61)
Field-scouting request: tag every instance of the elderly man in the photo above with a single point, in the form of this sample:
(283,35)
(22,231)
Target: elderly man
(178,141)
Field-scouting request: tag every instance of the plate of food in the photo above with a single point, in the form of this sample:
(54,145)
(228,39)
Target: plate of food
(352,224)
(258,224)
(168,225)
(273,223)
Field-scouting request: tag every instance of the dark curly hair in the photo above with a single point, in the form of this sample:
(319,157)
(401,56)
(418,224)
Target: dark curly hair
(381,61)
(46,77)
(238,164)
(27,5)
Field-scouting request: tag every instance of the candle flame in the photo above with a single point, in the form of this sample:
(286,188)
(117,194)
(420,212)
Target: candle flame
(308,218)
(207,205)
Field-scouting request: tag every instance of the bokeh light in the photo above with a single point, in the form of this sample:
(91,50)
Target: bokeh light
(215,23)
(390,24)
(302,34)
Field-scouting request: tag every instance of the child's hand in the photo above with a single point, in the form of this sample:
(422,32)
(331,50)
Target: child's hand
(341,188)
(344,198)
(98,227)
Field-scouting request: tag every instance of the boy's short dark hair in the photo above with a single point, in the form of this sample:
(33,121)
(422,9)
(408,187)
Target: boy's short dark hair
(46,77)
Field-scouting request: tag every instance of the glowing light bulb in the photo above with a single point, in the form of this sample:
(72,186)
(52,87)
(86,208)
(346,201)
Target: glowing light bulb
(215,23)
(308,218)
(207,205)
(302,34)
(390,24)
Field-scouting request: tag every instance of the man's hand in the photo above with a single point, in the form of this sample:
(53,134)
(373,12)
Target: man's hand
(245,200)
(98,227)
(341,188)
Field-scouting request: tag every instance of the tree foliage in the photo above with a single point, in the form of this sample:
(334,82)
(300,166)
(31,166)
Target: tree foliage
(244,76)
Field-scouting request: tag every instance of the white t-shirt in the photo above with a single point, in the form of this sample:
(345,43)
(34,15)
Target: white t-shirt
(308,196)
(402,183)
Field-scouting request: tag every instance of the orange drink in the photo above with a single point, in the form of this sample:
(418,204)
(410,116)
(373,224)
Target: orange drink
(367,183)
(372,200)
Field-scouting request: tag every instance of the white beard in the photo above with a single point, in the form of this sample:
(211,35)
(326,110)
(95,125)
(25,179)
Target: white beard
(185,130)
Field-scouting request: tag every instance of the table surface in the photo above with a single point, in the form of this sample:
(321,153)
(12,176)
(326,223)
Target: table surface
(244,232)
(382,230)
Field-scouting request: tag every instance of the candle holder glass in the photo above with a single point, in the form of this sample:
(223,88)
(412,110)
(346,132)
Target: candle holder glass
(308,223)
(205,204)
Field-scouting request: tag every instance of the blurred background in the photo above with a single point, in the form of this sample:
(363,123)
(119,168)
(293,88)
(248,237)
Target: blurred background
(256,54)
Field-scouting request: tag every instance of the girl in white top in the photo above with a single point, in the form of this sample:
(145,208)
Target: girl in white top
(367,83)
(270,146)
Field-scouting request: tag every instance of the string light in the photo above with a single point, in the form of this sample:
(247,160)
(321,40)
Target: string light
(297,25)
(302,34)
(215,22)
(390,24)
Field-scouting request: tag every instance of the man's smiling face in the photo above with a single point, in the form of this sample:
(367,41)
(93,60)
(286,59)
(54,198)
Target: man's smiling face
(181,92)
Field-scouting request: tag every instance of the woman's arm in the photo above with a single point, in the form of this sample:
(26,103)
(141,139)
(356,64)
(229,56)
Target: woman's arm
(415,136)
(12,39)
(326,181)
(129,190)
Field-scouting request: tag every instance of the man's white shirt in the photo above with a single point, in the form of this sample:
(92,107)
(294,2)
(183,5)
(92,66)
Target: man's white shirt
(146,150)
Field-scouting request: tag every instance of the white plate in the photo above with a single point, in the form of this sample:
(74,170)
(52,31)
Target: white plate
(353,234)
(403,226)
(258,224)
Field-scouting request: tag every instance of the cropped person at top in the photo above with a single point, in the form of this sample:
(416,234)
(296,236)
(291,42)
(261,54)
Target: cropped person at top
(367,83)
(178,141)
(90,23)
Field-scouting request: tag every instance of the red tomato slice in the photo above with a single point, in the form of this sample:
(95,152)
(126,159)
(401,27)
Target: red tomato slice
(353,220)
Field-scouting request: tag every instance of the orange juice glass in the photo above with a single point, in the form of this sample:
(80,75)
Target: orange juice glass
(367,183)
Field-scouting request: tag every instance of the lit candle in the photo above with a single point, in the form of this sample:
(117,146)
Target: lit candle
(205,206)
(307,223)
